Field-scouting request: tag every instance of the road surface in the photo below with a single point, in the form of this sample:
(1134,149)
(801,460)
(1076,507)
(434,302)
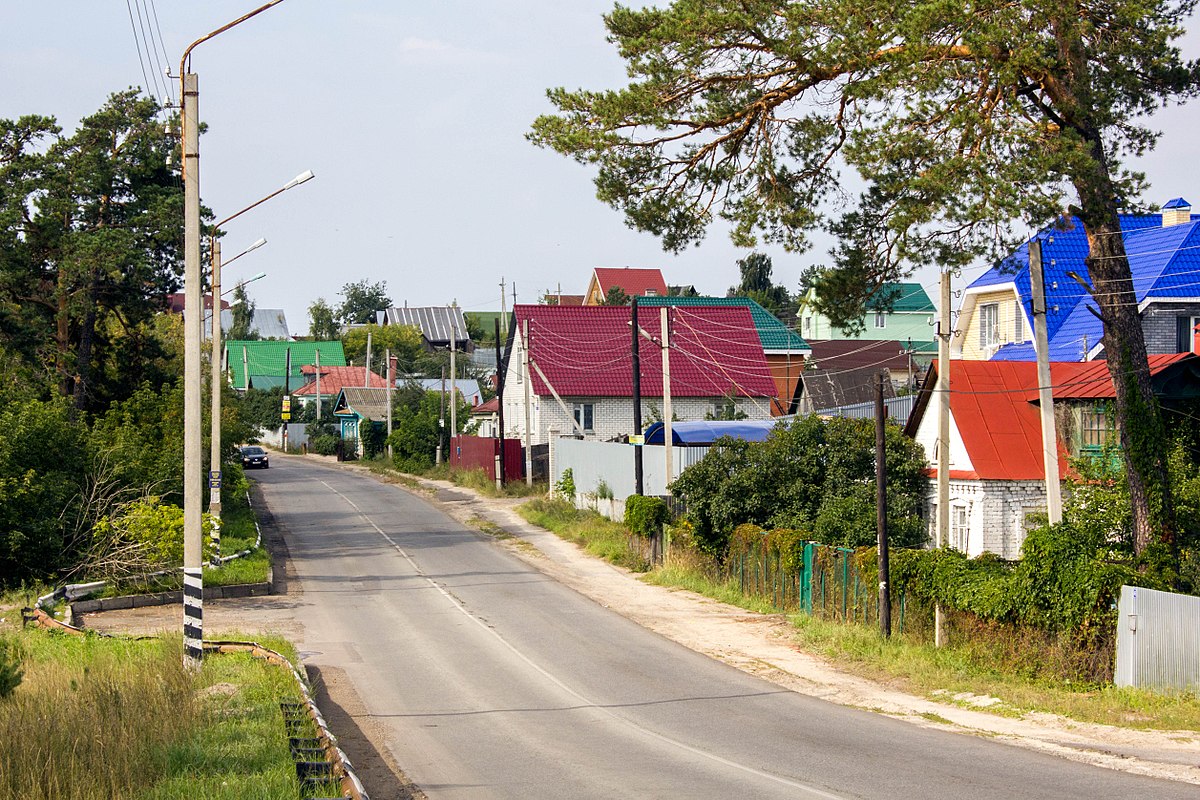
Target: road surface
(491,680)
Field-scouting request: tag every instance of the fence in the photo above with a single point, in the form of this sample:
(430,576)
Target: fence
(603,472)
(1158,639)
(477,452)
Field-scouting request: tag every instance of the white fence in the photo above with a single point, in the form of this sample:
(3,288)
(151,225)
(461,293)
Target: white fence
(603,472)
(1158,639)
(297,435)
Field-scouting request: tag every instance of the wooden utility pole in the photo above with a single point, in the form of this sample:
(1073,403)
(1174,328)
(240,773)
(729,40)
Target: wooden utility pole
(503,316)
(881,532)
(287,401)
(500,411)
(387,394)
(528,379)
(453,384)
(638,479)
(668,435)
(1045,389)
(317,366)
(943,440)
(441,418)
(367,371)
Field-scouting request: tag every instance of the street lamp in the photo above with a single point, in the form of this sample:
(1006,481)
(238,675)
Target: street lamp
(193,575)
(214,475)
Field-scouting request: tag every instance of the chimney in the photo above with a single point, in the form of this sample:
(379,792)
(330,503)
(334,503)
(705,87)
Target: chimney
(1176,212)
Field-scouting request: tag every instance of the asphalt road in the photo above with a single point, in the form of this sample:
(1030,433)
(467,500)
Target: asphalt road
(492,680)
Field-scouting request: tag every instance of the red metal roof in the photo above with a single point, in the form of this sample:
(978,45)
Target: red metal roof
(334,379)
(633,281)
(585,351)
(490,407)
(1087,380)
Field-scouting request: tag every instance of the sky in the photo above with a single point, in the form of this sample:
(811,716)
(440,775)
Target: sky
(413,117)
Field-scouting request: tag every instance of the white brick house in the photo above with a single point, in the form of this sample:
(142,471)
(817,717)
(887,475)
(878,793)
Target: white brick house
(583,353)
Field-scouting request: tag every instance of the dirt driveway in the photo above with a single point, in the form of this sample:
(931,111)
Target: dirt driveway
(755,643)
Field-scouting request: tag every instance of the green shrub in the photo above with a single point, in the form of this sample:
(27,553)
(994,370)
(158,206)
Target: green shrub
(565,485)
(324,444)
(646,515)
(603,490)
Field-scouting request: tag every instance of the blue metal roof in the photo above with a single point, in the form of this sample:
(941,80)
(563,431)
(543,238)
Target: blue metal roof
(1164,262)
(1178,202)
(708,431)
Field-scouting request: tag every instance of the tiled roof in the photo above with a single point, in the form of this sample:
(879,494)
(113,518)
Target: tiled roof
(334,379)
(435,322)
(585,351)
(1165,263)
(632,280)
(267,358)
(490,407)
(773,334)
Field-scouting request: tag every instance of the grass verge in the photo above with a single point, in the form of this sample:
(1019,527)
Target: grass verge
(112,718)
(475,479)
(599,536)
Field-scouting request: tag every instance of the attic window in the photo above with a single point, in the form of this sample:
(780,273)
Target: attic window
(651,293)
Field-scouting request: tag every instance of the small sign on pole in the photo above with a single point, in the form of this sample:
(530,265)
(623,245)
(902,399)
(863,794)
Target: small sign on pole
(214,479)
(637,438)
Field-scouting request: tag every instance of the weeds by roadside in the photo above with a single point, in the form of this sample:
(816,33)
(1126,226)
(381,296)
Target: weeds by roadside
(599,536)
(475,479)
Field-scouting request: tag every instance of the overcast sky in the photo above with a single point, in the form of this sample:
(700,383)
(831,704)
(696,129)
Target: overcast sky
(413,117)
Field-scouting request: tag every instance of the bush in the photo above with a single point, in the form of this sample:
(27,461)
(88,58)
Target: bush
(141,537)
(646,515)
(565,485)
(324,444)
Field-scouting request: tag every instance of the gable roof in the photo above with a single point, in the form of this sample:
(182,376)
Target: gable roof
(436,323)
(266,360)
(361,401)
(632,280)
(334,379)
(827,389)
(585,351)
(846,354)
(994,406)
(1164,262)
(267,323)
(774,336)
(907,297)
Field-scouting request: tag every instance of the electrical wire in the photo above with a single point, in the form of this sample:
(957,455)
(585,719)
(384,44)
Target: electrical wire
(137,43)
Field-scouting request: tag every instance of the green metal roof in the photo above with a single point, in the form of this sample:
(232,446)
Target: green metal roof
(267,360)
(910,297)
(773,334)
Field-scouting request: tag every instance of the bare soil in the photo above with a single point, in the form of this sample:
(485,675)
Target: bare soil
(755,643)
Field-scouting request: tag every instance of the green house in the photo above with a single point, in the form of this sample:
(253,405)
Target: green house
(263,364)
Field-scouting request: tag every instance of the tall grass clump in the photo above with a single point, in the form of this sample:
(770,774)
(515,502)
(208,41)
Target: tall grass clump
(595,533)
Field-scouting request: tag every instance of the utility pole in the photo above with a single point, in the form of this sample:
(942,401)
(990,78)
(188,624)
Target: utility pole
(528,380)
(214,465)
(503,314)
(287,400)
(514,294)
(943,440)
(500,411)
(881,532)
(245,369)
(442,418)
(668,434)
(193,574)
(638,467)
(367,371)
(387,393)
(1045,390)
(453,383)
(317,366)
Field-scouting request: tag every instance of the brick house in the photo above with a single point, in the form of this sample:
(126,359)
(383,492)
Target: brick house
(996,314)
(580,368)
(997,478)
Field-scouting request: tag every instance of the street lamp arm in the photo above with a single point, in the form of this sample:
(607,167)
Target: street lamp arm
(222,29)
(294,182)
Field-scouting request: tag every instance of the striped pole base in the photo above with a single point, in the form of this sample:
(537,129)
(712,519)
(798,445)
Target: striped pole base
(193,616)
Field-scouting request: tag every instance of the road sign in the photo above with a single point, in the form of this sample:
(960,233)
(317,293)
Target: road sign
(287,404)
(285,416)
(214,479)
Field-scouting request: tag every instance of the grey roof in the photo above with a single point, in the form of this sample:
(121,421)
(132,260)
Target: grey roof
(467,387)
(268,323)
(434,322)
(824,388)
(366,402)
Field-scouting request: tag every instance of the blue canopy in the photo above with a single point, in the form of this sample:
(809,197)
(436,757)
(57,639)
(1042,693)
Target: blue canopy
(708,431)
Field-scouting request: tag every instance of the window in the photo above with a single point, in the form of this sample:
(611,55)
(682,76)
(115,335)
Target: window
(808,324)
(959,528)
(1097,430)
(880,319)
(585,415)
(989,328)
(1018,321)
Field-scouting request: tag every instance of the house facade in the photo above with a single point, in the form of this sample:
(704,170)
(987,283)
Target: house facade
(577,365)
(910,319)
(331,382)
(995,318)
(635,282)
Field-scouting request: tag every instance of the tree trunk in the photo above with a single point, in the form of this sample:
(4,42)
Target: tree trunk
(87,336)
(1143,435)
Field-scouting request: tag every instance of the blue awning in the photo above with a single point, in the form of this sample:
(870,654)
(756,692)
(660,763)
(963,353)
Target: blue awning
(708,431)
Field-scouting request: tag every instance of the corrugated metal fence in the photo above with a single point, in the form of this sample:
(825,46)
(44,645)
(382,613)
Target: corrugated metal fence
(1158,639)
(601,469)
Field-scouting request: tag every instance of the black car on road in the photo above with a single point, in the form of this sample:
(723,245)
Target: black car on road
(254,456)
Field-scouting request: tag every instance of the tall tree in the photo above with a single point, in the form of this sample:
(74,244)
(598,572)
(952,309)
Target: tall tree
(322,324)
(241,327)
(758,284)
(361,300)
(960,119)
(615,296)
(90,238)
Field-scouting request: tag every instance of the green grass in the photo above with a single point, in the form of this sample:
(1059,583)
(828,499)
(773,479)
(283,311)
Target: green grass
(726,591)
(598,535)
(111,718)
(475,479)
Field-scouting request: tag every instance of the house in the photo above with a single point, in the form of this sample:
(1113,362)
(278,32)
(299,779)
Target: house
(487,417)
(783,348)
(910,320)
(262,364)
(265,323)
(356,407)
(995,319)
(439,325)
(333,380)
(856,361)
(632,281)
(580,374)
(997,477)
